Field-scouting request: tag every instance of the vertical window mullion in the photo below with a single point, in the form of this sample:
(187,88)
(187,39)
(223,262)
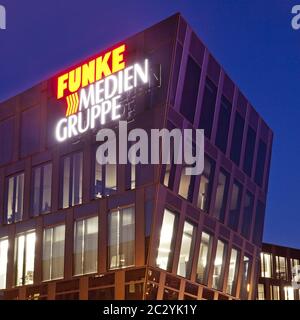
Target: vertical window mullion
(71,196)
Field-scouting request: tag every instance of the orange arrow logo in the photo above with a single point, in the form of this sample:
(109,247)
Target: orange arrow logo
(73,104)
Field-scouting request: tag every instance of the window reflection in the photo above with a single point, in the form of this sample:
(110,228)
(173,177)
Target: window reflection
(219,265)
(14,200)
(233,272)
(245,286)
(221,195)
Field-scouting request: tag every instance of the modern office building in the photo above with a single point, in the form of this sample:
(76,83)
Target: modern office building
(71,228)
(279,266)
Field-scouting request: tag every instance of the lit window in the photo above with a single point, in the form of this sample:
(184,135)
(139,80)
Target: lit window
(245,286)
(121,238)
(233,271)
(166,243)
(130,176)
(186,250)
(221,195)
(41,195)
(274,292)
(288,293)
(260,291)
(53,253)
(281,268)
(206,181)
(266,265)
(3,262)
(71,180)
(184,185)
(24,258)
(106,179)
(219,265)
(86,246)
(204,258)
(14,200)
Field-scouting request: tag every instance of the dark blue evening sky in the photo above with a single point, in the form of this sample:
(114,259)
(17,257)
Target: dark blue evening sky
(252,39)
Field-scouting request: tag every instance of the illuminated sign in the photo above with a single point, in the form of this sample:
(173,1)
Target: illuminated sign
(93,91)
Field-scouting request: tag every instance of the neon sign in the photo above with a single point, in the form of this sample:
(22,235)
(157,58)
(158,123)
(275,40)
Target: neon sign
(93,91)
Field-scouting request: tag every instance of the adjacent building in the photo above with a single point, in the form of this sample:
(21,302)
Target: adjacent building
(73,229)
(279,269)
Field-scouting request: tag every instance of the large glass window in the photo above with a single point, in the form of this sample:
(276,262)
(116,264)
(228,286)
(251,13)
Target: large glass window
(219,265)
(233,272)
(41,195)
(245,285)
(190,90)
(221,195)
(130,180)
(204,258)
(15,196)
(206,182)
(261,291)
(288,293)
(106,179)
(235,205)
(185,189)
(223,124)
(274,292)
(259,223)
(86,246)
(281,267)
(6,140)
(24,258)
(166,241)
(266,265)
(247,214)
(249,151)
(3,262)
(53,253)
(71,180)
(260,162)
(237,138)
(121,250)
(208,108)
(186,250)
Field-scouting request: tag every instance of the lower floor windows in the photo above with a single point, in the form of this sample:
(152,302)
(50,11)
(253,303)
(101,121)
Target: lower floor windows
(245,286)
(260,291)
(86,246)
(53,253)
(219,264)
(166,243)
(204,258)
(24,258)
(288,293)
(274,293)
(3,262)
(233,272)
(121,242)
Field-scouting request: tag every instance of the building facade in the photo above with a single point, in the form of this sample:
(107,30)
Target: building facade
(73,229)
(279,267)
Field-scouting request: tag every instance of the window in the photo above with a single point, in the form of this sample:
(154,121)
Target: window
(71,180)
(14,200)
(245,285)
(41,195)
(247,214)
(3,262)
(208,108)
(294,264)
(186,250)
(53,253)
(223,124)
(204,258)
(249,151)
(30,131)
(237,138)
(86,246)
(121,241)
(274,293)
(281,267)
(24,258)
(206,181)
(259,223)
(260,163)
(130,176)
(185,188)
(288,293)
(6,140)
(266,265)
(219,265)
(221,195)
(233,271)
(166,241)
(106,179)
(166,176)
(261,291)
(235,206)
(190,90)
